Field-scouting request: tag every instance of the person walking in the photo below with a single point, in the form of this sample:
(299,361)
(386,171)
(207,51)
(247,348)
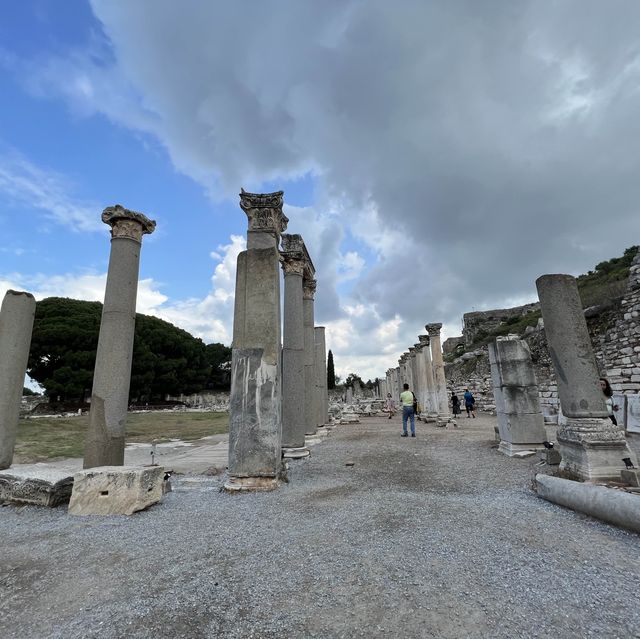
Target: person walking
(407,398)
(608,399)
(455,404)
(469,403)
(390,405)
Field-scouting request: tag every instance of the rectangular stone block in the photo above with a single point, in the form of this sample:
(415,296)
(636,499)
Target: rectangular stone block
(633,413)
(116,490)
(630,476)
(521,428)
(518,399)
(36,485)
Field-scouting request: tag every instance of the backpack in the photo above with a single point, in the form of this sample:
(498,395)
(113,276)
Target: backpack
(415,403)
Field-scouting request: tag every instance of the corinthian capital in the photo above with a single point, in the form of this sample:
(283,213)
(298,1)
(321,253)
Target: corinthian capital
(292,265)
(264,211)
(126,223)
(424,340)
(308,289)
(433,329)
(293,246)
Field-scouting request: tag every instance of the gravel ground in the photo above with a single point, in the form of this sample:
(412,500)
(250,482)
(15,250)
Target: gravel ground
(438,536)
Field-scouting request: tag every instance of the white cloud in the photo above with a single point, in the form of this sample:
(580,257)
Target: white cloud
(46,191)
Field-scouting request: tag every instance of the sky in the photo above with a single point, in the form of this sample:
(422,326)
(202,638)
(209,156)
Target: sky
(437,157)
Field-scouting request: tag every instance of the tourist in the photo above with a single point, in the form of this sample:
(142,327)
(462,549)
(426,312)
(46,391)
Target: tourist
(455,404)
(608,399)
(390,405)
(407,398)
(469,403)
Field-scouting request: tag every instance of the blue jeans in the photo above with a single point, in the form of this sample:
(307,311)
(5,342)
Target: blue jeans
(407,413)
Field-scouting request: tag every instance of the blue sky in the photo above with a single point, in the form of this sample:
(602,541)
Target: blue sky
(436,157)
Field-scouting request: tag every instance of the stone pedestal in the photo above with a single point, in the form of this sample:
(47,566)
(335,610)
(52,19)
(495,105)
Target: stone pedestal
(255,420)
(592,448)
(16,325)
(515,390)
(35,484)
(116,490)
(295,261)
(438,371)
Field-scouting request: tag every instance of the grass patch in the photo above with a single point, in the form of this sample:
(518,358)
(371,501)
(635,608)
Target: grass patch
(53,438)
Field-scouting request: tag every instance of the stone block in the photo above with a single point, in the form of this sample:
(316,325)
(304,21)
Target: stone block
(518,399)
(522,428)
(630,476)
(116,490)
(35,484)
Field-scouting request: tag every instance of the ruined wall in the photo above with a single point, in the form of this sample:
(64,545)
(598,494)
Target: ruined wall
(615,334)
(479,322)
(449,345)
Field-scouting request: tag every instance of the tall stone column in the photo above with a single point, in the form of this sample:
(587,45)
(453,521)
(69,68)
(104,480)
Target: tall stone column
(311,411)
(438,370)
(294,262)
(413,365)
(592,448)
(399,380)
(431,399)
(255,419)
(322,401)
(515,390)
(16,325)
(112,374)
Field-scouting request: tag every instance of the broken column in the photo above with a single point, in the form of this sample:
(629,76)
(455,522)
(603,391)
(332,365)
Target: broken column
(322,402)
(255,421)
(294,259)
(438,370)
(592,447)
(515,390)
(112,373)
(16,325)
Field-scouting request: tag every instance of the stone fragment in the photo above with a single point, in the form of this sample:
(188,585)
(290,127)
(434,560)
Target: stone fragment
(116,490)
(630,476)
(35,484)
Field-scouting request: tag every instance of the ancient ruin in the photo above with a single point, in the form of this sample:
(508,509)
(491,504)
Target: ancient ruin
(110,393)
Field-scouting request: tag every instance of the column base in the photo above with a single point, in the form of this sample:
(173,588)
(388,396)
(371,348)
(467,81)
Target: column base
(510,449)
(296,453)
(251,484)
(593,449)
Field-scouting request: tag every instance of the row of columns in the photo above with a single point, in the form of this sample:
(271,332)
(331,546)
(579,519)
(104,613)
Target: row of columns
(278,395)
(422,368)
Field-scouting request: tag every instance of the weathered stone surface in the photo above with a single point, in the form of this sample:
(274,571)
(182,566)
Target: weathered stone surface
(116,490)
(16,324)
(630,476)
(112,374)
(35,484)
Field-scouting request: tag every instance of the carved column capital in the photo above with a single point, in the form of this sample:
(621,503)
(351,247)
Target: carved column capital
(308,289)
(424,340)
(264,212)
(433,329)
(292,265)
(126,223)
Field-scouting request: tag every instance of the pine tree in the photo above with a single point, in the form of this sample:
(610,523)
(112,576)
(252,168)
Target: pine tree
(331,373)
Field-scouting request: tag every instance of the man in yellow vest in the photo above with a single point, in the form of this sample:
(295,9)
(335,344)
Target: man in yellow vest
(407,398)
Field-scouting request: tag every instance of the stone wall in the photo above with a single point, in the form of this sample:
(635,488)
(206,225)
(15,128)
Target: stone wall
(450,345)
(615,334)
(479,322)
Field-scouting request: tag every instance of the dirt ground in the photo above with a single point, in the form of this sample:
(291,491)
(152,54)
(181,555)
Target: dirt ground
(374,536)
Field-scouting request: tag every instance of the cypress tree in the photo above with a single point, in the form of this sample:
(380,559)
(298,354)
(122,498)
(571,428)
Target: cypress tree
(331,373)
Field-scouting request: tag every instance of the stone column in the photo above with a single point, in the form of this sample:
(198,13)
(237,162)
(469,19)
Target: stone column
(322,402)
(255,420)
(515,390)
(592,448)
(112,373)
(294,258)
(16,325)
(309,289)
(413,365)
(431,400)
(399,381)
(438,370)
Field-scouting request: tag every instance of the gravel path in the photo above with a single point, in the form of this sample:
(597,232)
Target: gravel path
(438,536)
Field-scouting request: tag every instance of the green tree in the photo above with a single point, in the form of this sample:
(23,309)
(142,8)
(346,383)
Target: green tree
(351,378)
(219,362)
(331,372)
(166,359)
(27,392)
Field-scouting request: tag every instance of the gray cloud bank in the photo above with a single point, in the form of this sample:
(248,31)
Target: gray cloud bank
(472,145)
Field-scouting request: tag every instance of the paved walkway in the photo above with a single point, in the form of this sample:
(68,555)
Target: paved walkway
(373,536)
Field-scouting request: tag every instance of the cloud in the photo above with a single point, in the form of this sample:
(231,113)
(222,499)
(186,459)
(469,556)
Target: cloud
(34,187)
(461,149)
